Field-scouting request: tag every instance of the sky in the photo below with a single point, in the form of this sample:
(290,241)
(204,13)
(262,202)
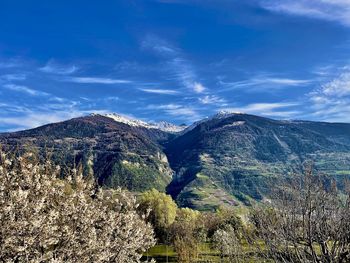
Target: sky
(173,60)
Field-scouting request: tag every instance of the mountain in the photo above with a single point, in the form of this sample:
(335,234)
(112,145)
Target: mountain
(162,125)
(118,154)
(229,158)
(235,158)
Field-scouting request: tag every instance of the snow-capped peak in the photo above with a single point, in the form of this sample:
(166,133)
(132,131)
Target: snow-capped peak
(169,127)
(224,114)
(219,115)
(127,120)
(162,125)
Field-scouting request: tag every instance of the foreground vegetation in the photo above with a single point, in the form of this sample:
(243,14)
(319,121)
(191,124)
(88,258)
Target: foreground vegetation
(47,218)
(307,220)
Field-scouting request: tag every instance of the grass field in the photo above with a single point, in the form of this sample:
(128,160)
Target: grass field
(163,254)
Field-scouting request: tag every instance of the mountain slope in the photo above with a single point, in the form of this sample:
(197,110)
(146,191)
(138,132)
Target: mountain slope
(232,158)
(117,153)
(163,125)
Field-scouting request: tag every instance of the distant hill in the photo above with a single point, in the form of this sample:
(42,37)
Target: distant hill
(228,158)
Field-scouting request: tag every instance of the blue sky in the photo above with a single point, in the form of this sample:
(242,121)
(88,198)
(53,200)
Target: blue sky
(173,60)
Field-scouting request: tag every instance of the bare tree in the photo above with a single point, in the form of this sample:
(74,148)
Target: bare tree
(309,221)
(227,242)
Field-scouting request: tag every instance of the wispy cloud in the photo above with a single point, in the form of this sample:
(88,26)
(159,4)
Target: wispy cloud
(275,109)
(198,87)
(19,117)
(160,46)
(160,91)
(331,10)
(177,111)
(264,83)
(285,81)
(55,68)
(96,80)
(338,87)
(177,64)
(32,119)
(331,102)
(10,63)
(35,119)
(212,99)
(25,89)
(13,77)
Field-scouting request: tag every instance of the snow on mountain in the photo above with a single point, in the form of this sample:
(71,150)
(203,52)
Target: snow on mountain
(169,127)
(220,115)
(162,125)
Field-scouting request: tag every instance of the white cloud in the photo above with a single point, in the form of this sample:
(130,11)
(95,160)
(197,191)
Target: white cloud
(24,117)
(331,10)
(12,108)
(198,87)
(32,119)
(211,99)
(263,83)
(54,68)
(256,107)
(12,77)
(183,111)
(176,110)
(160,91)
(35,119)
(25,89)
(338,87)
(284,81)
(179,67)
(269,109)
(95,80)
(159,46)
(331,102)
(185,74)
(170,106)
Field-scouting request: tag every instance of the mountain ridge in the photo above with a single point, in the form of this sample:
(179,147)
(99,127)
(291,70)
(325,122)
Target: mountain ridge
(228,158)
(162,125)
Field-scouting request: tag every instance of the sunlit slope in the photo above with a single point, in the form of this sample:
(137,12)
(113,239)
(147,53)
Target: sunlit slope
(237,158)
(118,154)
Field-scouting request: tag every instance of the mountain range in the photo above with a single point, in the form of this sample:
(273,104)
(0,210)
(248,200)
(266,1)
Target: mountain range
(229,158)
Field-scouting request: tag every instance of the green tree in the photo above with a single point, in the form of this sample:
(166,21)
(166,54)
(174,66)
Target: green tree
(161,209)
(186,233)
(228,217)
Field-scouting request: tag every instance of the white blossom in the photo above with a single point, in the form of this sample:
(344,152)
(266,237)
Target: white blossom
(47,219)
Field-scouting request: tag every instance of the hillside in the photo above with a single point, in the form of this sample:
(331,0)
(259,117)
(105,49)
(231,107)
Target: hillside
(118,154)
(234,158)
(226,159)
